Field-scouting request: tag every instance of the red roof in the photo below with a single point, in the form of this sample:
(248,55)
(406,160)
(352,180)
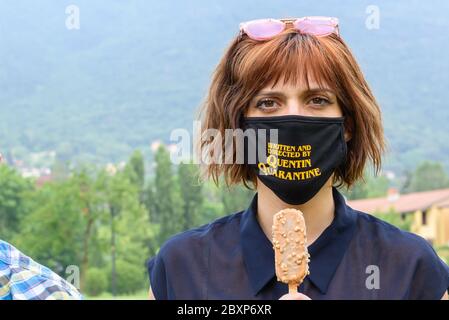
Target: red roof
(403,203)
(43,179)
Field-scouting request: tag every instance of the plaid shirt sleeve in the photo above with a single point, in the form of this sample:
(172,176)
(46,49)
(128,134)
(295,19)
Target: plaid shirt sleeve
(21,278)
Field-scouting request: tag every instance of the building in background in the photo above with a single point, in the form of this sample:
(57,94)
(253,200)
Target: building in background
(430,210)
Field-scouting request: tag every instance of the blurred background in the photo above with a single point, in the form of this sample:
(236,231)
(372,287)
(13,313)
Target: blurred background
(91,90)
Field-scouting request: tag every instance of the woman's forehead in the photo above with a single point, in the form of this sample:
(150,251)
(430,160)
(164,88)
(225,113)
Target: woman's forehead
(299,84)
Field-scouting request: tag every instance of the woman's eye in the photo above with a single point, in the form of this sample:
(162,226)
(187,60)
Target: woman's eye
(320,101)
(266,104)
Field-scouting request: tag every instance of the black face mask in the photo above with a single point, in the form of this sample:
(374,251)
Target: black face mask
(298,164)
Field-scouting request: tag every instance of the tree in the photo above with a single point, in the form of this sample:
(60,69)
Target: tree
(405,188)
(403,222)
(53,231)
(13,190)
(163,198)
(370,187)
(429,176)
(60,170)
(91,212)
(129,227)
(60,229)
(191,193)
(135,169)
(235,198)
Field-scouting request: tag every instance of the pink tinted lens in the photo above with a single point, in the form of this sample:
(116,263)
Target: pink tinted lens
(263,29)
(318,27)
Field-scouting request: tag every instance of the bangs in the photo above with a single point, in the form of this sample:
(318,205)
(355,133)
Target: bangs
(296,58)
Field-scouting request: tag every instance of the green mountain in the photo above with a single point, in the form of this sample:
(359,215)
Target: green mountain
(135,70)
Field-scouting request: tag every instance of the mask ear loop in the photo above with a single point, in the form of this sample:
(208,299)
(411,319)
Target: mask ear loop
(341,169)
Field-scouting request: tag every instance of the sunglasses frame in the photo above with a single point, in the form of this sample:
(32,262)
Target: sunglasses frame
(331,21)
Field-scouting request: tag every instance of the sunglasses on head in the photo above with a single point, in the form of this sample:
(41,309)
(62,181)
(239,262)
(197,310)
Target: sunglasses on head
(264,29)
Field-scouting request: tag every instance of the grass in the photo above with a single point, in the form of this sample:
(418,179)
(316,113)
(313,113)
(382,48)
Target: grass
(140,295)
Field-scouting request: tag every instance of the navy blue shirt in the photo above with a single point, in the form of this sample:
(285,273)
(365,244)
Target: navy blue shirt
(357,257)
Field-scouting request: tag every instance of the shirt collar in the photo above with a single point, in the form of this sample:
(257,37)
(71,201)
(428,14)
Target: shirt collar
(325,253)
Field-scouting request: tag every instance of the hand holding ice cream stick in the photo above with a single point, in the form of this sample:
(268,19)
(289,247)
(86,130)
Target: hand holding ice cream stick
(290,247)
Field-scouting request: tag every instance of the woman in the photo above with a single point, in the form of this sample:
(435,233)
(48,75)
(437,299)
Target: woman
(298,78)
